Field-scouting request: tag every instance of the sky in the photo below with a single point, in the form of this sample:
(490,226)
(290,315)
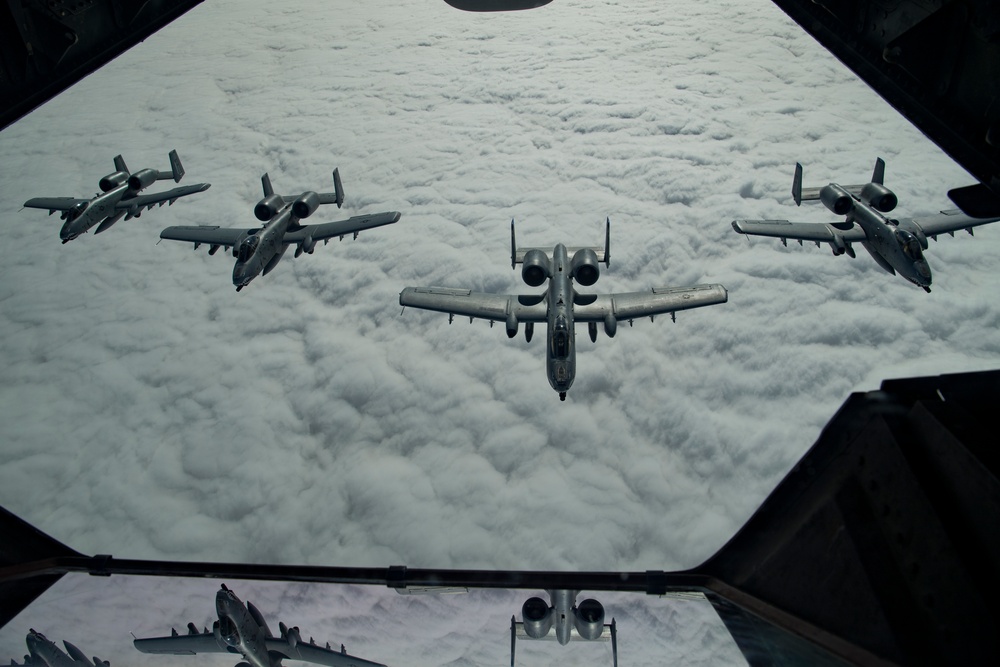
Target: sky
(153,412)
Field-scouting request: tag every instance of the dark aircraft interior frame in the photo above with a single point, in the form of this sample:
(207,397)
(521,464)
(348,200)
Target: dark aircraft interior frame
(880,547)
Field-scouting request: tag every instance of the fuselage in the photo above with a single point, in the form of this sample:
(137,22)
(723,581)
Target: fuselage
(560,355)
(44,652)
(260,251)
(238,629)
(98,209)
(899,250)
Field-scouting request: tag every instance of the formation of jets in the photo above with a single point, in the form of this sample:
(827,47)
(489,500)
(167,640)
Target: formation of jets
(896,245)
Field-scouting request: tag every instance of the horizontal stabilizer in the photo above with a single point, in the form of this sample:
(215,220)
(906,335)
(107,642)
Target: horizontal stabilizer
(603,254)
(800,194)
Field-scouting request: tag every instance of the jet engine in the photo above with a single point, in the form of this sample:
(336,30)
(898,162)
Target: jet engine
(584,267)
(268,207)
(589,619)
(535,269)
(142,179)
(305,205)
(511,325)
(112,181)
(836,198)
(880,197)
(537,617)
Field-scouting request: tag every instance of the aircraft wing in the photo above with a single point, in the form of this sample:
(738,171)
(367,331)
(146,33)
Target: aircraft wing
(658,301)
(150,200)
(801,231)
(948,222)
(329,230)
(177,644)
(315,654)
(210,234)
(493,307)
(55,203)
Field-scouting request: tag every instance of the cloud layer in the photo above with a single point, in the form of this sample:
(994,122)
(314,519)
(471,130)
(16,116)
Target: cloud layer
(153,412)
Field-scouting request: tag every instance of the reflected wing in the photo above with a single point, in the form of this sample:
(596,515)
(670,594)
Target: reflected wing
(55,203)
(329,230)
(631,305)
(161,198)
(316,654)
(493,307)
(819,232)
(177,644)
(210,234)
(948,222)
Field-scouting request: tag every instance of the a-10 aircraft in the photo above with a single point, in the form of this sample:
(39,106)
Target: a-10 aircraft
(563,620)
(241,629)
(119,198)
(561,306)
(259,249)
(43,652)
(896,245)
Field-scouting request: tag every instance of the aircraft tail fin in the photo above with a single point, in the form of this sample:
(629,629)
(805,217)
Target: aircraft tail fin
(513,246)
(801,194)
(607,242)
(265,182)
(120,164)
(337,196)
(176,168)
(878,175)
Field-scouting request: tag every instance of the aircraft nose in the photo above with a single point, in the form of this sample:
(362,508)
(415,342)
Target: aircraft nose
(925,271)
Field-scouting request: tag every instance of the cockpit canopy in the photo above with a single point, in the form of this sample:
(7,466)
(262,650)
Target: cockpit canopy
(910,245)
(247,247)
(228,631)
(560,338)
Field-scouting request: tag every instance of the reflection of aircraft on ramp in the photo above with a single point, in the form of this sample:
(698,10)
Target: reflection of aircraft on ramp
(563,621)
(561,306)
(119,198)
(241,629)
(895,245)
(44,653)
(259,249)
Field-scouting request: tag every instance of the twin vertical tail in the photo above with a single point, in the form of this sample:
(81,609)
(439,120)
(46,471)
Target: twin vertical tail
(800,195)
(607,244)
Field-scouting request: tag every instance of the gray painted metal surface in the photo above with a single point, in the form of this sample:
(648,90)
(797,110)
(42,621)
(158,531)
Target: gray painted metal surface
(119,198)
(561,306)
(241,629)
(896,245)
(259,249)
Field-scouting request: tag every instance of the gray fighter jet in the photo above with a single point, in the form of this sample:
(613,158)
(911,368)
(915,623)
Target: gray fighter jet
(258,250)
(561,306)
(241,629)
(896,245)
(119,198)
(563,621)
(43,652)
